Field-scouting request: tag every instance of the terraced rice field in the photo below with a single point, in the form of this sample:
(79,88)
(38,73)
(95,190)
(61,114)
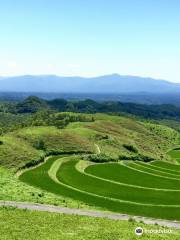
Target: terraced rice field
(146,189)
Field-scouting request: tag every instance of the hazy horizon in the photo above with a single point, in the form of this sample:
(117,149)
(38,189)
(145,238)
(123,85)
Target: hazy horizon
(81,76)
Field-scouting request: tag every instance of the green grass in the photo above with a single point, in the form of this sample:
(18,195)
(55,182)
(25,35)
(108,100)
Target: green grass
(19,147)
(123,174)
(175,154)
(55,140)
(152,165)
(167,166)
(12,189)
(15,153)
(149,169)
(110,133)
(68,174)
(150,139)
(43,225)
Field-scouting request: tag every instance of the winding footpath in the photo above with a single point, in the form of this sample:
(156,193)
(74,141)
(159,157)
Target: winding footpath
(98,151)
(90,213)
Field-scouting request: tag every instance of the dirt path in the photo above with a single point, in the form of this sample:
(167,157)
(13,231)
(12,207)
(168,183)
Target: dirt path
(51,208)
(98,149)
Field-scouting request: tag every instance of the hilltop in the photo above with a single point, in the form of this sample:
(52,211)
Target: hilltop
(33,104)
(117,137)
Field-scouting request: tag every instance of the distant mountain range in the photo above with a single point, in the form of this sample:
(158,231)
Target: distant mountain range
(103,84)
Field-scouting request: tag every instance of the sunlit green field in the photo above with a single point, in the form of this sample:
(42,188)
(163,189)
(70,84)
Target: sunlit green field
(115,187)
(110,133)
(70,180)
(43,225)
(175,154)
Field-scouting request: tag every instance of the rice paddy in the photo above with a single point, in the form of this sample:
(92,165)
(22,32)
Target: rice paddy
(146,189)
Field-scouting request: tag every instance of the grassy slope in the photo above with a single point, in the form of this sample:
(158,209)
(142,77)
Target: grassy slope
(175,154)
(15,152)
(109,132)
(119,173)
(166,166)
(149,169)
(55,140)
(43,225)
(18,149)
(150,139)
(69,175)
(13,189)
(39,177)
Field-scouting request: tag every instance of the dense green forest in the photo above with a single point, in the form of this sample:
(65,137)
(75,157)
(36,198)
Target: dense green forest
(33,104)
(34,111)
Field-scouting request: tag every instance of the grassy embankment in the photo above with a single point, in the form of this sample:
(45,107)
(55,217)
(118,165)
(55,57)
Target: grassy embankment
(43,225)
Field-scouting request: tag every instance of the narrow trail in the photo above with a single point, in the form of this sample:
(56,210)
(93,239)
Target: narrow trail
(98,149)
(99,214)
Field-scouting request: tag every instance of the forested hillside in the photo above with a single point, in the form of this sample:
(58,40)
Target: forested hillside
(33,104)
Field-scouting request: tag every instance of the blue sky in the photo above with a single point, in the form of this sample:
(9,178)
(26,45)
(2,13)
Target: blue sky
(89,38)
